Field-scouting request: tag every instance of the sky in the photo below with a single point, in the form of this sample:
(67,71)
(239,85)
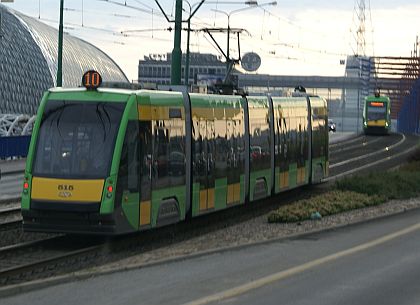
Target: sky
(294,37)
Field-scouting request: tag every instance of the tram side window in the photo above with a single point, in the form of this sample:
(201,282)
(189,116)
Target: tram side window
(160,154)
(129,164)
(221,148)
(176,152)
(301,142)
(230,146)
(283,140)
(259,139)
(145,153)
(196,149)
(289,144)
(318,130)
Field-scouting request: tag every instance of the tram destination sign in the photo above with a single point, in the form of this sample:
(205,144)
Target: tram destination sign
(251,61)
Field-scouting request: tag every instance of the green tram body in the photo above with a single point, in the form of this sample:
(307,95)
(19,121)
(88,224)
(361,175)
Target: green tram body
(377,115)
(116,161)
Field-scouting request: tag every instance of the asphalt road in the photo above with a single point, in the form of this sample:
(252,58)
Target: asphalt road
(372,263)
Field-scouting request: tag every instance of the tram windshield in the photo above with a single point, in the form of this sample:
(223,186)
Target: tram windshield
(376,113)
(77,139)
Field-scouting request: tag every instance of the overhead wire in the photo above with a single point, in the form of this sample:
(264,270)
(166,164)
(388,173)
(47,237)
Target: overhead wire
(127,6)
(295,46)
(300,27)
(199,22)
(69,9)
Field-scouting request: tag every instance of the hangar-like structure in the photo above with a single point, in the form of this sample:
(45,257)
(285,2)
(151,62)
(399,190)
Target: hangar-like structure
(28,66)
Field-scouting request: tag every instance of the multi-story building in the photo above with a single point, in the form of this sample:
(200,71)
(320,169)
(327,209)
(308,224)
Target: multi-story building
(156,68)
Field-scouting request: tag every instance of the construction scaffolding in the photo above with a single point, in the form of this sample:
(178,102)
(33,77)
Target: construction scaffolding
(398,78)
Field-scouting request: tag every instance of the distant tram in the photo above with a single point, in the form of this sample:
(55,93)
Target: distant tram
(110,161)
(377,115)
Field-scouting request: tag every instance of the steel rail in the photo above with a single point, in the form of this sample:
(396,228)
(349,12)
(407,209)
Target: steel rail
(8,212)
(370,154)
(345,142)
(363,144)
(35,263)
(354,170)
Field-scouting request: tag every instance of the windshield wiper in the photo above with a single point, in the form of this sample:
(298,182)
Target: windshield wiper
(99,114)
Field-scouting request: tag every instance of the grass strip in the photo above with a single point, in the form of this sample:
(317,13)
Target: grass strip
(329,203)
(355,192)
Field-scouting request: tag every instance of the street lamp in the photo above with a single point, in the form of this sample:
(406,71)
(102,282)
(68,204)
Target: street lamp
(252,4)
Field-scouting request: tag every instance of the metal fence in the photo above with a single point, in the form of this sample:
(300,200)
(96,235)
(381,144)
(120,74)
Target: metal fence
(14,146)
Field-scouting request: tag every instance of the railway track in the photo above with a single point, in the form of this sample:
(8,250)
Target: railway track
(10,186)
(369,154)
(67,253)
(25,259)
(63,254)
(10,217)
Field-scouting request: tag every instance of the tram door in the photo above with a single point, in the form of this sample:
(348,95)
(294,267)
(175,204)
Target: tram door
(207,164)
(145,141)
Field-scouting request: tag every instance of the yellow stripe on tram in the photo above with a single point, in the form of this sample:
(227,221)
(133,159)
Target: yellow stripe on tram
(67,189)
(380,123)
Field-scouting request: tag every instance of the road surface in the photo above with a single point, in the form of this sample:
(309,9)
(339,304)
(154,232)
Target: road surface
(372,263)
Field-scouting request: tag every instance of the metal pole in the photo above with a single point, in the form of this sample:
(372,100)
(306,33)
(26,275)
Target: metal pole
(228,45)
(187,58)
(60,48)
(176,52)
(358,97)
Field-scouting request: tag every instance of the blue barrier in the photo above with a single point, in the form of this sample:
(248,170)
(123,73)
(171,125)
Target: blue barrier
(14,146)
(409,115)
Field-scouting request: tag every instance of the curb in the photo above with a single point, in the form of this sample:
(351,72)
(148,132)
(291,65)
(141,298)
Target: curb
(12,290)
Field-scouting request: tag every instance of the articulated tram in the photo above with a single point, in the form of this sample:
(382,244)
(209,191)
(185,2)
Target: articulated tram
(110,161)
(377,115)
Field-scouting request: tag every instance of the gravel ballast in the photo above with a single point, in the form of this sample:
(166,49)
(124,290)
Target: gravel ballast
(253,231)
(257,230)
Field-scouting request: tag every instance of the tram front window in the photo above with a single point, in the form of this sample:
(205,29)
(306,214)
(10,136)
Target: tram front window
(376,113)
(77,139)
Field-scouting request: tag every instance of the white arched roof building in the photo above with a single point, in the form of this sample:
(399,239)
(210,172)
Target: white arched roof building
(28,63)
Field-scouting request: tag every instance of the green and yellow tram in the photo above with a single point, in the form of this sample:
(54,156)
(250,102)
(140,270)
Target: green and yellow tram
(377,115)
(110,161)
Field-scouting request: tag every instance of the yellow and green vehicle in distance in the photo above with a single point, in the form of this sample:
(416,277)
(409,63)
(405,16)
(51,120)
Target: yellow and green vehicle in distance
(377,115)
(110,161)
